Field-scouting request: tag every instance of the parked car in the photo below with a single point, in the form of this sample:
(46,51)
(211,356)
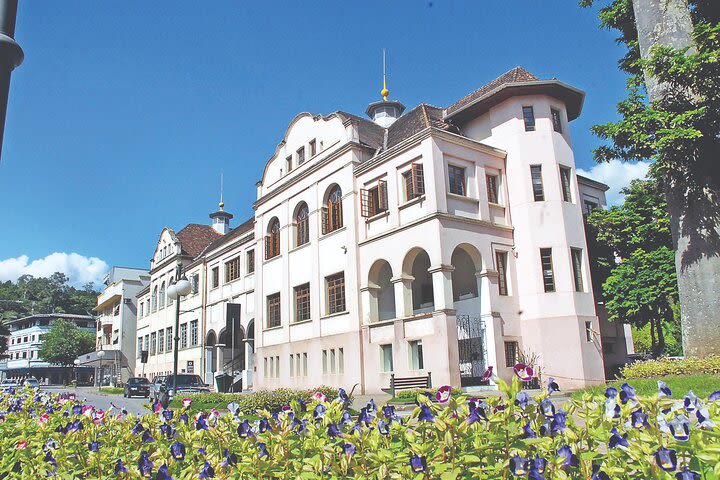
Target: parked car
(31,382)
(186,384)
(137,386)
(155,387)
(8,383)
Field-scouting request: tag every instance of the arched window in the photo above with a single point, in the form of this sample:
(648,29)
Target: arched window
(169,298)
(302,225)
(153,299)
(162,295)
(272,240)
(332,213)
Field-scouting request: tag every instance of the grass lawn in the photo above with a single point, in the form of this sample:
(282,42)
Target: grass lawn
(112,390)
(701,385)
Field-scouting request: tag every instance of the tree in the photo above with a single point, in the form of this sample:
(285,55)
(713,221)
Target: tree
(4,332)
(641,284)
(64,342)
(44,295)
(672,116)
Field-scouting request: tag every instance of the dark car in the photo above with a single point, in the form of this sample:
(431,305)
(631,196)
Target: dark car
(137,387)
(186,384)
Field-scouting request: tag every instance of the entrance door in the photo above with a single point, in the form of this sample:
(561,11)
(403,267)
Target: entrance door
(471,348)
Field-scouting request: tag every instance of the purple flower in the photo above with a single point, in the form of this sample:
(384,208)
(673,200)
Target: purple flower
(177,450)
(167,430)
(558,424)
(348,449)
(346,418)
(388,412)
(343,396)
(686,474)
(77,409)
(522,399)
(184,418)
(639,419)
(616,440)
(524,372)
(167,415)
(94,446)
(230,458)
(691,402)
(626,393)
(443,394)
(418,464)
(144,464)
(263,450)
(666,459)
(138,428)
(476,413)
(244,430)
(201,423)
(383,427)
(147,438)
(426,414)
(547,408)
(569,458)
(371,407)
(264,425)
(611,392)
(663,389)
(50,459)
(598,474)
(537,467)
(163,474)
(680,427)
(519,466)
(119,467)
(612,409)
(201,451)
(487,374)
(535,475)
(703,418)
(207,471)
(714,396)
(319,411)
(552,386)
(333,430)
(528,431)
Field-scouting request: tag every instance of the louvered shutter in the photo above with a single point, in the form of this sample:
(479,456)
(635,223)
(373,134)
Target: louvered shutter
(267,247)
(324,216)
(364,203)
(382,196)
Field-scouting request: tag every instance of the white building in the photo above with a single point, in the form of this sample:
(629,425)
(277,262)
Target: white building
(441,240)
(116,321)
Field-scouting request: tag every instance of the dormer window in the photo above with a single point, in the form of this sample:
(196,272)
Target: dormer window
(301,155)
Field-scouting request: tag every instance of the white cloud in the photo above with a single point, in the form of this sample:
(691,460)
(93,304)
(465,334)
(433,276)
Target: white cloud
(617,175)
(78,268)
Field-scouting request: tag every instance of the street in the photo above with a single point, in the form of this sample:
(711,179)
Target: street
(91,396)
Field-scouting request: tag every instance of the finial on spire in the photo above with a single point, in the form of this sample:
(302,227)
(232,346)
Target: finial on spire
(384,92)
(221,204)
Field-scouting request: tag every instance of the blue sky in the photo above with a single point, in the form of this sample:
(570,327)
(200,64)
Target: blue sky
(124,114)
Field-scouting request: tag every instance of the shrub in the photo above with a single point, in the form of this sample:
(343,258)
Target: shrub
(409,396)
(271,400)
(666,366)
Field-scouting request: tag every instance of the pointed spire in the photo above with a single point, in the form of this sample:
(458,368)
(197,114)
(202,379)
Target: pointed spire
(221,204)
(384,92)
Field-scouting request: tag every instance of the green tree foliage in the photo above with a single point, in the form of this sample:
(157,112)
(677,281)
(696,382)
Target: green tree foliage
(641,286)
(64,342)
(30,295)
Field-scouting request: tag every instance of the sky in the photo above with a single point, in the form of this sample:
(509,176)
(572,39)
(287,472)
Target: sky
(124,114)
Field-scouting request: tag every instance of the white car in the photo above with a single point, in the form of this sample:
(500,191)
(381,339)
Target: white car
(32,382)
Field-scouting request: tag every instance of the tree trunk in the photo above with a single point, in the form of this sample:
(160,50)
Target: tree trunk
(660,338)
(653,343)
(694,219)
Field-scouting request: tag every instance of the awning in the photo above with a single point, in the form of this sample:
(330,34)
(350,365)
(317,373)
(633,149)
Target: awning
(108,301)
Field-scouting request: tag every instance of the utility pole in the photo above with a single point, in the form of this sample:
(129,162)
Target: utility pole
(11,56)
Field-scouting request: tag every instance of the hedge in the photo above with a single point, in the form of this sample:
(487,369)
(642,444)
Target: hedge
(409,396)
(248,403)
(666,366)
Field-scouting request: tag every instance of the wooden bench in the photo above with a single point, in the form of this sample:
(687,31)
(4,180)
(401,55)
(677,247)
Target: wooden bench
(409,383)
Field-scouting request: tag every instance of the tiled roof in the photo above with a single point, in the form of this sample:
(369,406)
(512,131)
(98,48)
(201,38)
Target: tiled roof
(236,232)
(417,119)
(371,134)
(516,75)
(195,237)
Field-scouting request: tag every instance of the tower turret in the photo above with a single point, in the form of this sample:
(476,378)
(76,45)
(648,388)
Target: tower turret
(385,112)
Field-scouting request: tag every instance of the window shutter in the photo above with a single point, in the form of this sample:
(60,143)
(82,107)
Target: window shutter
(382,196)
(418,180)
(364,203)
(324,215)
(267,247)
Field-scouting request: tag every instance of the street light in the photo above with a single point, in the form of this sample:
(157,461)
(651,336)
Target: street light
(176,290)
(77,363)
(101,355)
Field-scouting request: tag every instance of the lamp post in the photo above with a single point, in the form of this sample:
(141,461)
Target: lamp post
(76,362)
(176,290)
(101,355)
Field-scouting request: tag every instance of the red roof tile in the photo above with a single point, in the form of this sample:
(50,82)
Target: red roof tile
(195,237)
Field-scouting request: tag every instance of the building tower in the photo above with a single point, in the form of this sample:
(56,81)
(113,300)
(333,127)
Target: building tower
(385,112)
(221,218)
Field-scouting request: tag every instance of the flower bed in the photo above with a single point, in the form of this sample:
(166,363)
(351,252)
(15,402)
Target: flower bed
(612,435)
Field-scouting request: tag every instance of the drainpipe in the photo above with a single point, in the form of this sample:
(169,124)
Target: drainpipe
(11,56)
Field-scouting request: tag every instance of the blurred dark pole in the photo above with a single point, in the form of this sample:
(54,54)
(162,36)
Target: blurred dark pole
(11,56)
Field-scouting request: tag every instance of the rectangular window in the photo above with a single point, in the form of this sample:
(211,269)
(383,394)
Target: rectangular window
(341,360)
(386,358)
(273,310)
(332,360)
(301,155)
(305,364)
(302,302)
(215,277)
(292,365)
(588,331)
(288,164)
(312,147)
(265,367)
(492,188)
(161,341)
(537,183)
(277,367)
(556,121)
(232,269)
(456,178)
(183,335)
(153,343)
(139,347)
(547,269)
(565,182)
(195,283)
(511,354)
(589,207)
(335,293)
(414,180)
(169,338)
(250,261)
(529,119)
(501,260)
(146,342)
(416,355)
(325,362)
(374,200)
(576,255)
(193,333)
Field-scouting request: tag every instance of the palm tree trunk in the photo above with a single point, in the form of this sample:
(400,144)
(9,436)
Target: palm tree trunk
(694,219)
